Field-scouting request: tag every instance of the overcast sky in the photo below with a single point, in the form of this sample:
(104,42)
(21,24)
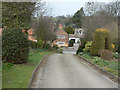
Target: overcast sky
(65,7)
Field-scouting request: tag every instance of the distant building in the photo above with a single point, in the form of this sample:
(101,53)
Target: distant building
(30,35)
(78,33)
(62,37)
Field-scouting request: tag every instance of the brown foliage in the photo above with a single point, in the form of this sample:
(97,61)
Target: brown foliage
(105,54)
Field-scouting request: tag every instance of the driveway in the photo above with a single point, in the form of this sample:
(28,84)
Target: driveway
(69,71)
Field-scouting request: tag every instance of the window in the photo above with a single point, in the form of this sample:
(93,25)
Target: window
(61,36)
(79,31)
(61,43)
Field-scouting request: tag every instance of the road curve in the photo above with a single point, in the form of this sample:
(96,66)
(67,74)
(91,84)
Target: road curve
(69,71)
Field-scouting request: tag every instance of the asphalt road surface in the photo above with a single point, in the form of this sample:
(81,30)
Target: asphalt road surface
(69,50)
(69,71)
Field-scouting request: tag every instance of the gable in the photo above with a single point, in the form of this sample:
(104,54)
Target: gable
(61,32)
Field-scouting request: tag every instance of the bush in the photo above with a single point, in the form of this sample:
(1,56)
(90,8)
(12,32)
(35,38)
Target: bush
(55,46)
(113,47)
(116,55)
(101,40)
(39,44)
(82,46)
(81,53)
(105,54)
(118,48)
(87,46)
(71,43)
(47,46)
(14,46)
(60,50)
(32,44)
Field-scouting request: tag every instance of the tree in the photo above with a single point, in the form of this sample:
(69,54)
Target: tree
(97,16)
(17,14)
(69,30)
(78,17)
(112,8)
(69,21)
(44,29)
(92,7)
(60,20)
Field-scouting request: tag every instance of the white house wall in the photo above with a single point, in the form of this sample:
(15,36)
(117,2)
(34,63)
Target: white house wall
(76,39)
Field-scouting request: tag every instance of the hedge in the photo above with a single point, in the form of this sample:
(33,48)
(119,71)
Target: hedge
(101,40)
(14,45)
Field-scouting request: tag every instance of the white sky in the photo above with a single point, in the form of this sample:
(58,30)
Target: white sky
(65,7)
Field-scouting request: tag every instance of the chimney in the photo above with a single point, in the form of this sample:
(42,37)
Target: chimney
(60,26)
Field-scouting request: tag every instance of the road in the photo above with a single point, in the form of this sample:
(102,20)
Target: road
(69,71)
(69,50)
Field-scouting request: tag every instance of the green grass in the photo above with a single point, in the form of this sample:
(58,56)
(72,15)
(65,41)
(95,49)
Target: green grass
(18,75)
(110,66)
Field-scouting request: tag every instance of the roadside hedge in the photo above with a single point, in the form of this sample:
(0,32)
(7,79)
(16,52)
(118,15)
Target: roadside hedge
(101,40)
(15,46)
(82,46)
(32,44)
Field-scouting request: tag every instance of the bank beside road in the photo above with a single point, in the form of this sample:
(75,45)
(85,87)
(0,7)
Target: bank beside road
(18,75)
(109,68)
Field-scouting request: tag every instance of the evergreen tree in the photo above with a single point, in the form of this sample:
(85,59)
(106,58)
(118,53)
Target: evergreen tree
(77,18)
(69,30)
(17,14)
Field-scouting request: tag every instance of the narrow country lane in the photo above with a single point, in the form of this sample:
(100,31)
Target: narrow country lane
(68,71)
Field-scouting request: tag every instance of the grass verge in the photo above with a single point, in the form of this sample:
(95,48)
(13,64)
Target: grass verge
(18,75)
(110,66)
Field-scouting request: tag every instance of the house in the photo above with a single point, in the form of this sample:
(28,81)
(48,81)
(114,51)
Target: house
(30,35)
(78,33)
(62,37)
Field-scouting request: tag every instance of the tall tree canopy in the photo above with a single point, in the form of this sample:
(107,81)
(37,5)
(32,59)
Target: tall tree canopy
(44,29)
(77,18)
(17,14)
(69,30)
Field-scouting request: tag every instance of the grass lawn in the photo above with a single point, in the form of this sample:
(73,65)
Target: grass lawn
(110,66)
(18,75)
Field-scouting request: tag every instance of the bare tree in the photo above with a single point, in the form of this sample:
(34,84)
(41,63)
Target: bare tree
(100,17)
(92,7)
(44,29)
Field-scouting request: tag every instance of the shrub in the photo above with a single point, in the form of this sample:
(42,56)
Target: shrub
(116,55)
(82,46)
(39,44)
(60,50)
(71,43)
(118,48)
(113,46)
(55,46)
(101,40)
(47,46)
(81,53)
(87,46)
(105,54)
(32,44)
(14,46)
